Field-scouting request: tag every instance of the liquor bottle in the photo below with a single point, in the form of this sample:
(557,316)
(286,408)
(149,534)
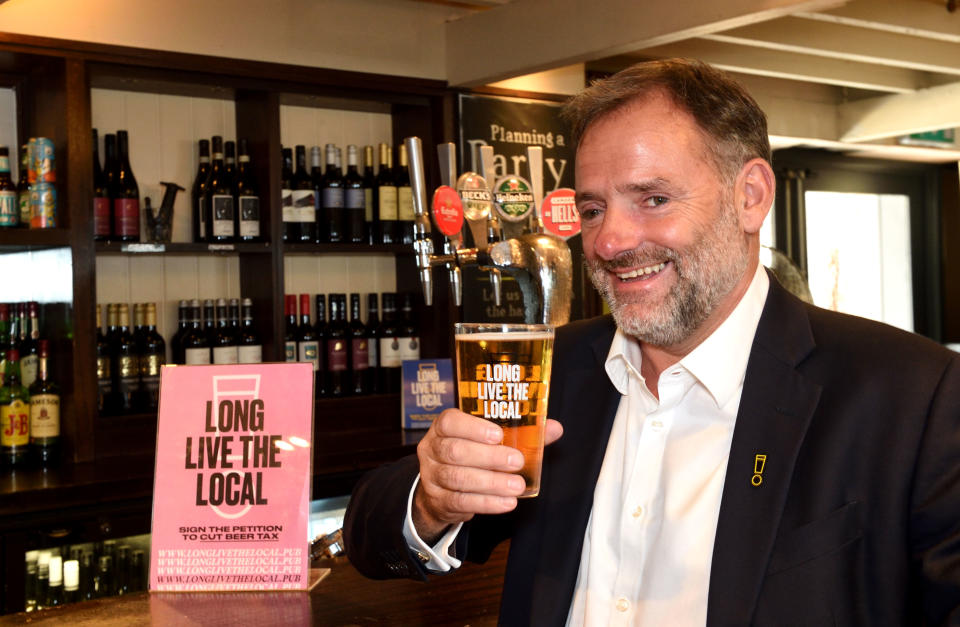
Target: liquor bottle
(290,333)
(224,342)
(230,163)
(45,412)
(176,340)
(101,196)
(249,346)
(359,350)
(103,580)
(43,578)
(55,590)
(337,341)
(30,583)
(153,355)
(405,212)
(104,371)
(196,347)
(308,344)
(316,180)
(126,198)
(291,218)
(218,199)
(9,207)
(126,363)
(71,581)
(14,415)
(409,332)
(23,184)
(387,198)
(4,334)
(370,217)
(88,589)
(390,356)
(30,345)
(304,199)
(354,199)
(333,198)
(373,344)
(248,200)
(321,330)
(209,322)
(199,191)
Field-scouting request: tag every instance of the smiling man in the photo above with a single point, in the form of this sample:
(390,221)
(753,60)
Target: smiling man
(730,455)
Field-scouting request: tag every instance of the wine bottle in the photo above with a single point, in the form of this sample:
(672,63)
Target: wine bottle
(55,589)
(291,332)
(248,199)
(333,198)
(316,180)
(153,355)
(43,578)
(196,346)
(110,167)
(373,344)
(230,164)
(138,324)
(320,384)
(337,340)
(126,199)
(101,196)
(354,199)
(387,197)
(45,412)
(390,356)
(71,581)
(23,184)
(14,414)
(30,583)
(29,345)
(291,218)
(409,332)
(308,344)
(359,350)
(199,192)
(104,370)
(209,322)
(219,208)
(224,342)
(304,199)
(9,208)
(405,211)
(176,341)
(371,218)
(126,363)
(249,346)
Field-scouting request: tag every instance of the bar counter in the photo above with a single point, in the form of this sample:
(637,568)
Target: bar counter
(343,597)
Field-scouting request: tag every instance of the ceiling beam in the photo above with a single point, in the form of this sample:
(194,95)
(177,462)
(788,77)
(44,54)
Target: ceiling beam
(920,18)
(901,114)
(839,41)
(534,35)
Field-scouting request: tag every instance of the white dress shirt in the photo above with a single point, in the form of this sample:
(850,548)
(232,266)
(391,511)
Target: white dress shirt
(648,545)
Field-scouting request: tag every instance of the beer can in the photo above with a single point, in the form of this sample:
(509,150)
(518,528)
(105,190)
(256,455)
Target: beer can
(43,206)
(43,160)
(31,164)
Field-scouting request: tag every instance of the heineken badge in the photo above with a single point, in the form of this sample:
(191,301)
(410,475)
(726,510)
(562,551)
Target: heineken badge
(513,198)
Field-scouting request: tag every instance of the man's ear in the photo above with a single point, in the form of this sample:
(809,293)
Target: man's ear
(754,193)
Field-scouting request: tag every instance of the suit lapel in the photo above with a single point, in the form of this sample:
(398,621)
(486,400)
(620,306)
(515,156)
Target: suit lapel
(774,414)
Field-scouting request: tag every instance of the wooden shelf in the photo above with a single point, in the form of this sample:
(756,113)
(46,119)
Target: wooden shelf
(348,249)
(180,248)
(16,240)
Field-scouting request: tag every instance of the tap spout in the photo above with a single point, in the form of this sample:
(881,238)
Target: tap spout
(542,266)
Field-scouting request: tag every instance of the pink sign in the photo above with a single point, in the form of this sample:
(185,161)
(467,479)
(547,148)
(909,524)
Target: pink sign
(559,213)
(231,495)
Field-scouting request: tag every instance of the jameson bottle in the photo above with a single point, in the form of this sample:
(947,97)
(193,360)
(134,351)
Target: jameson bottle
(387,198)
(333,198)
(248,199)
(14,415)
(359,350)
(9,209)
(370,217)
(199,191)
(101,197)
(405,211)
(104,376)
(45,412)
(126,196)
(153,355)
(218,203)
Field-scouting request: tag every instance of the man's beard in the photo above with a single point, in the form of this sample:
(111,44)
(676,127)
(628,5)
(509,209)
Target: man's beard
(706,273)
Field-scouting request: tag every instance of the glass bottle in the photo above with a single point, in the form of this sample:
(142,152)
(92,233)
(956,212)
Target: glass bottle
(45,412)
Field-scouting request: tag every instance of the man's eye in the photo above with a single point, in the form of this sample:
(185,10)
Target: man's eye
(656,201)
(588,213)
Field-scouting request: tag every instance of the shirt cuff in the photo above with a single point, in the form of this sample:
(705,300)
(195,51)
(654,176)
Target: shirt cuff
(436,558)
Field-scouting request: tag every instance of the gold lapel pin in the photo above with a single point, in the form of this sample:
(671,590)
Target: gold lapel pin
(758,463)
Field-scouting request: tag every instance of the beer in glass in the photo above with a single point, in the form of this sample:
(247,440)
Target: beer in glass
(503,375)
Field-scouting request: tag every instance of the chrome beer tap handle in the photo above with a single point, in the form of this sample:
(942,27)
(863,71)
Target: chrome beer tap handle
(422,243)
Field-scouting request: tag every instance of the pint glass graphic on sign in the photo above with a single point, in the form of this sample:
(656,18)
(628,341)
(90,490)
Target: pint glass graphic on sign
(503,375)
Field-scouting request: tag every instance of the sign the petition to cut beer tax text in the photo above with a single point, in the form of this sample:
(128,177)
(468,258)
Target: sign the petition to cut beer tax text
(231,497)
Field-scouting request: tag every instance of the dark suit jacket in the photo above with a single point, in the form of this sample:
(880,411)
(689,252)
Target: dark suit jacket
(856,520)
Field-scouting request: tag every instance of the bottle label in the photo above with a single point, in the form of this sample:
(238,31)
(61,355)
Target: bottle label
(4,164)
(368,204)
(9,211)
(372,346)
(222,205)
(150,365)
(250,354)
(126,217)
(44,416)
(360,352)
(337,355)
(409,348)
(303,206)
(390,356)
(290,351)
(225,355)
(151,385)
(310,352)
(101,217)
(15,424)
(286,201)
(333,197)
(129,366)
(23,199)
(388,202)
(405,209)
(197,356)
(28,370)
(249,216)
(103,368)
(203,222)
(355,198)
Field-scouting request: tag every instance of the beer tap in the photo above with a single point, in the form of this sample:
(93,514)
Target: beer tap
(422,244)
(444,203)
(535,163)
(494,229)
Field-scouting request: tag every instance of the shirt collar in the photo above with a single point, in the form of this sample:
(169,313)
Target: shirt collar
(719,363)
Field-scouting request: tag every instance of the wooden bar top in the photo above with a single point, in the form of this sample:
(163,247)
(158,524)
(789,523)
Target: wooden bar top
(470,596)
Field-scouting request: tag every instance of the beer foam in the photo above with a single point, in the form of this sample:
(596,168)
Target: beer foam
(503,337)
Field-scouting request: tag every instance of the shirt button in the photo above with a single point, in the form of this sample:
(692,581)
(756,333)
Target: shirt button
(637,513)
(656,425)
(622,605)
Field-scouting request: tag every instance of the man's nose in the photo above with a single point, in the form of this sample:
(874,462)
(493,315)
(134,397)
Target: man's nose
(615,235)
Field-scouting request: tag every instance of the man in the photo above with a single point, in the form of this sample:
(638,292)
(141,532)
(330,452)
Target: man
(730,455)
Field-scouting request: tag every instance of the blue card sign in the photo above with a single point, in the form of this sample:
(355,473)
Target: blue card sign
(427,391)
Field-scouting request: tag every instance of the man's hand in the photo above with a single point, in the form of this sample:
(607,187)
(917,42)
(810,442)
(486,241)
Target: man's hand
(464,470)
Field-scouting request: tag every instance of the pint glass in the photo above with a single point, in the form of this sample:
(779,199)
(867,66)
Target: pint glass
(503,375)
